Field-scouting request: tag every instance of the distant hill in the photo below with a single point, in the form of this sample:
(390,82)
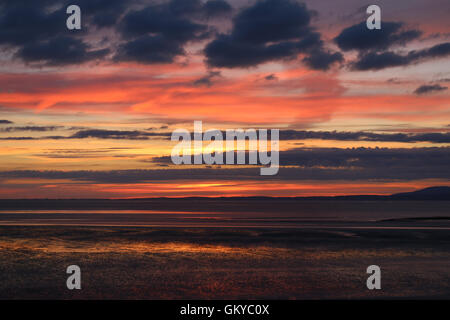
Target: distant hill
(432,193)
(213,204)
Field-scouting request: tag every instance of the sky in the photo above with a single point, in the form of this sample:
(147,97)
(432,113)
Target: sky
(89,113)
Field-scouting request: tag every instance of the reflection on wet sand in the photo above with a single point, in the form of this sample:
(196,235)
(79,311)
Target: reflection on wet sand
(222,263)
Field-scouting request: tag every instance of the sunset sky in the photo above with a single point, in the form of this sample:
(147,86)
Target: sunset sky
(89,113)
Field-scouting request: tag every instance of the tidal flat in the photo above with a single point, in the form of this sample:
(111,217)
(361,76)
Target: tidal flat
(223,263)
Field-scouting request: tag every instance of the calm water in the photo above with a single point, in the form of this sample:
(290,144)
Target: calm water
(355,214)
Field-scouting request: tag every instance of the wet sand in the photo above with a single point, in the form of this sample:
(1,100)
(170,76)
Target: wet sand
(225,263)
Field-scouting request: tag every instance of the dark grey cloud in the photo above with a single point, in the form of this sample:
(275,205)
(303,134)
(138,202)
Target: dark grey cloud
(322,59)
(155,33)
(161,20)
(149,49)
(184,7)
(374,47)
(267,31)
(436,51)
(27,21)
(199,9)
(377,61)
(117,134)
(354,157)
(271,77)
(31,128)
(217,8)
(225,52)
(97,134)
(109,134)
(306,164)
(368,158)
(59,51)
(83,153)
(17,138)
(435,137)
(271,21)
(24,22)
(5,122)
(352,164)
(359,37)
(158,33)
(102,13)
(38,33)
(424,89)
